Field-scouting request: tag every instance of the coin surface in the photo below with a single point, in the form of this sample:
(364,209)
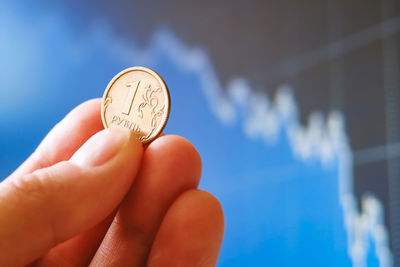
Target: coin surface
(137,98)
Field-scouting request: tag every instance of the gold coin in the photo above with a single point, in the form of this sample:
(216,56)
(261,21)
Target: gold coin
(138,99)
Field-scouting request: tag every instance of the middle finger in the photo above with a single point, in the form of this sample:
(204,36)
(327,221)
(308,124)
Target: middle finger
(170,166)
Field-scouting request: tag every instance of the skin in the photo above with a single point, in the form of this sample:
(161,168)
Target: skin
(89,196)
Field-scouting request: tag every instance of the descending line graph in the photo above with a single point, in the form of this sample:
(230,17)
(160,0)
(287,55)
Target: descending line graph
(263,119)
(260,117)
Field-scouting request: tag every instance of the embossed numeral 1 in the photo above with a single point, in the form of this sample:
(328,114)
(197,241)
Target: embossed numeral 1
(133,86)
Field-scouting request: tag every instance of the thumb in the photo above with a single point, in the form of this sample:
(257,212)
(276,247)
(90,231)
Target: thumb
(51,205)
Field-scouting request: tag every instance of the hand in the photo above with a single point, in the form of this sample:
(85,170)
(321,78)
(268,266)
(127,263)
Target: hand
(107,201)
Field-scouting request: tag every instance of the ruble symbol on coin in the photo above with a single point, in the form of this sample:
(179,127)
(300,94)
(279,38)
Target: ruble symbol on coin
(138,99)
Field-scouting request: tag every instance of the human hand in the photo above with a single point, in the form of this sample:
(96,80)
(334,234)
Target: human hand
(107,201)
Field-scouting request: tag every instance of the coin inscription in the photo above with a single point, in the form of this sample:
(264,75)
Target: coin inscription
(138,99)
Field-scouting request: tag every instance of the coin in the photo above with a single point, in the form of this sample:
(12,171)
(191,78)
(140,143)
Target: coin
(137,98)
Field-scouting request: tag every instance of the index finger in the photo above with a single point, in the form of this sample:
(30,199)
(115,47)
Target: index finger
(65,138)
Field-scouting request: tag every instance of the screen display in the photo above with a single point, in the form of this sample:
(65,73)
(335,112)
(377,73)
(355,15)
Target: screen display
(294,107)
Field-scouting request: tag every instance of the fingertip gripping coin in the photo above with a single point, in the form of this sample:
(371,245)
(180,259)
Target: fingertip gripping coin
(137,98)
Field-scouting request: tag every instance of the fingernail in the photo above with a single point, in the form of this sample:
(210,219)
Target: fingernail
(101,147)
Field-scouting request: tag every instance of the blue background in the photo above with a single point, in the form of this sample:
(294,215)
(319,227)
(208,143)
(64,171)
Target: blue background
(283,207)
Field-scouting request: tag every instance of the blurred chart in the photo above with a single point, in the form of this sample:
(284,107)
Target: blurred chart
(293,106)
